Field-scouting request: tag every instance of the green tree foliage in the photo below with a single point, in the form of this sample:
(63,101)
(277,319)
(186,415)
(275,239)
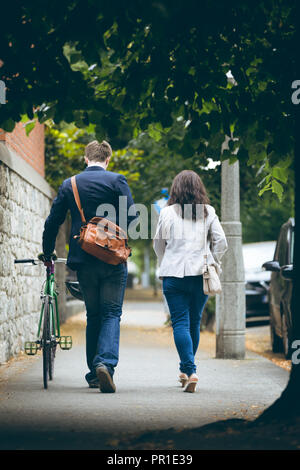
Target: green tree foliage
(125,67)
(262,216)
(64,151)
(150,165)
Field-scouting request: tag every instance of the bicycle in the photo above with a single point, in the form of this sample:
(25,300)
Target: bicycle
(48,335)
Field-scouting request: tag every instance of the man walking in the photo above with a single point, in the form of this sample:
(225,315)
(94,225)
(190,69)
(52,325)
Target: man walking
(102,284)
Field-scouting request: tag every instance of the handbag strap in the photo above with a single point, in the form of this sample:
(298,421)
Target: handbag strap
(77,198)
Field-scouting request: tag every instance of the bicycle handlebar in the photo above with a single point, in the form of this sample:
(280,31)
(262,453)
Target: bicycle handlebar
(37,261)
(24,261)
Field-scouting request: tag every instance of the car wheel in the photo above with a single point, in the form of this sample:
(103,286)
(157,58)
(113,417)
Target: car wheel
(276,341)
(285,338)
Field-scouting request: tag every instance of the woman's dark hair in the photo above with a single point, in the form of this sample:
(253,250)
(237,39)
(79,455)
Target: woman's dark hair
(188,188)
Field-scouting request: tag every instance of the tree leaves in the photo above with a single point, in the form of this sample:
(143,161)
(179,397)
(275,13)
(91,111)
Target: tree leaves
(280,174)
(29,127)
(8,125)
(154,131)
(125,68)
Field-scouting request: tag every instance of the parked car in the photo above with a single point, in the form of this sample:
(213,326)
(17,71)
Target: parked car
(280,292)
(257,280)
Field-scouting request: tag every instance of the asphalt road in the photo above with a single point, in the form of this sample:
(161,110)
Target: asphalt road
(69,415)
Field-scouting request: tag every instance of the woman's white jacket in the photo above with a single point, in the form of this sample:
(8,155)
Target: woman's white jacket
(179,243)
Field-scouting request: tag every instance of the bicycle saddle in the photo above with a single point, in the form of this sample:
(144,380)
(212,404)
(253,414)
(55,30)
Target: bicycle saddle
(74,289)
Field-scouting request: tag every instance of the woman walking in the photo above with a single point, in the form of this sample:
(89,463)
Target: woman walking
(179,244)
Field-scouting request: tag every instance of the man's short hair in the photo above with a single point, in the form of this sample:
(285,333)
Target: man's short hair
(98,152)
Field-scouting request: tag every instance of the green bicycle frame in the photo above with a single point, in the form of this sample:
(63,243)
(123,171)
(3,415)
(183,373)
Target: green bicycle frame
(49,290)
(47,340)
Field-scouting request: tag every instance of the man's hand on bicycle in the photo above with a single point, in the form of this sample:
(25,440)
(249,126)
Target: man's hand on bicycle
(47,258)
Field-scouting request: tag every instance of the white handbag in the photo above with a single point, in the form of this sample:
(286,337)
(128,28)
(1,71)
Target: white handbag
(211,281)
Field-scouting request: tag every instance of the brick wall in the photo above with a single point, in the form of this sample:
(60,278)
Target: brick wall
(31,148)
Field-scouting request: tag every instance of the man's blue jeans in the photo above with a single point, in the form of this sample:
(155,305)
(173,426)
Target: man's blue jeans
(186,302)
(103,286)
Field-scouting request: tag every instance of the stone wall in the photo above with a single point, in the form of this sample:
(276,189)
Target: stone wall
(25,200)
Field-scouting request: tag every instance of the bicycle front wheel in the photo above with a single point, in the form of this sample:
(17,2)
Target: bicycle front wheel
(46,342)
(53,340)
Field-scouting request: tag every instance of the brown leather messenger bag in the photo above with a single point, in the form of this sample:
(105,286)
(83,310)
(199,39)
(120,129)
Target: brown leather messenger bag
(100,237)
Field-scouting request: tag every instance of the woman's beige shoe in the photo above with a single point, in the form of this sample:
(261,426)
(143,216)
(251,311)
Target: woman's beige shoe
(191,384)
(183,378)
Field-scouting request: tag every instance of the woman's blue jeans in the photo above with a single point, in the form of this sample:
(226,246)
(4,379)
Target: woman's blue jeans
(186,302)
(103,286)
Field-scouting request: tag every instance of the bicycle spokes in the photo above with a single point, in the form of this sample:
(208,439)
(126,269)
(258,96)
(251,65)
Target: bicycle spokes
(66,342)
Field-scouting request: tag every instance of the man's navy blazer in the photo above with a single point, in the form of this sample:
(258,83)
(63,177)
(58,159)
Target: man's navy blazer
(95,186)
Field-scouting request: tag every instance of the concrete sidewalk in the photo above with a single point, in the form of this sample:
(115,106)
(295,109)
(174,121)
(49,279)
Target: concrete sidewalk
(71,416)
(150,314)
(145,314)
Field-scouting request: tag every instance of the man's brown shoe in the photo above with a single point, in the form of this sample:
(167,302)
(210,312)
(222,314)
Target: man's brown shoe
(106,383)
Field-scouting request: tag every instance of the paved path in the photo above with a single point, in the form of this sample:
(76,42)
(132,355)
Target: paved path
(145,314)
(71,416)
